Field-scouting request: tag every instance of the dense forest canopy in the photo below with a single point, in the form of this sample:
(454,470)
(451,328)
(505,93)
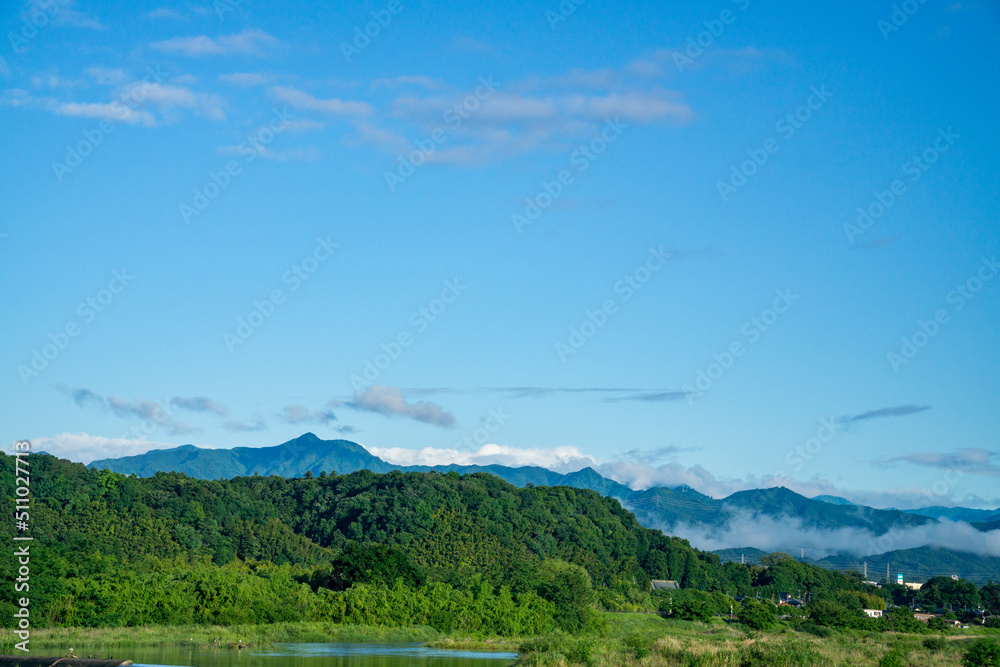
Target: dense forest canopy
(442,549)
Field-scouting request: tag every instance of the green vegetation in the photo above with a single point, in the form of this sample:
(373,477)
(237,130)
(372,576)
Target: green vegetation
(449,559)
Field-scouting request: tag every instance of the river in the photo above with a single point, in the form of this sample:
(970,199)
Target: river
(311,655)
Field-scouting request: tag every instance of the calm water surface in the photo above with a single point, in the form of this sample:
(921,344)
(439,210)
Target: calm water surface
(312,655)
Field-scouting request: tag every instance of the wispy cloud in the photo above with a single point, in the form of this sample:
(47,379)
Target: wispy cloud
(200,404)
(306,102)
(168,98)
(106,76)
(65,16)
(298,414)
(237,426)
(898,411)
(972,460)
(251,42)
(420,81)
(611,394)
(165,13)
(390,402)
(85,398)
(106,111)
(247,79)
(148,410)
(651,397)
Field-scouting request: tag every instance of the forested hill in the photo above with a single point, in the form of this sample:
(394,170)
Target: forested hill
(453,525)
(657,507)
(93,527)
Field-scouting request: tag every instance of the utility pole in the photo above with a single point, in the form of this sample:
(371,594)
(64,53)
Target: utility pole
(866,570)
(887,573)
(802,553)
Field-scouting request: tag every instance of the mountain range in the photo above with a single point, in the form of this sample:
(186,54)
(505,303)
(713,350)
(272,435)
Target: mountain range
(670,509)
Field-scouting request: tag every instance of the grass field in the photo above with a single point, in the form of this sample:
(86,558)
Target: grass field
(650,641)
(630,640)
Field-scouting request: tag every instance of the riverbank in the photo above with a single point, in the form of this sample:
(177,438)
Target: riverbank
(221,636)
(629,640)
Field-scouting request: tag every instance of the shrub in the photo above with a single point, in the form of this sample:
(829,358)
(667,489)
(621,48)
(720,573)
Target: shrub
(771,655)
(637,645)
(896,657)
(982,653)
(817,630)
(934,644)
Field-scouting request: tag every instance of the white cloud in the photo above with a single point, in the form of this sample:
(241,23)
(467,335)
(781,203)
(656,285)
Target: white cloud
(306,102)
(560,459)
(84,448)
(249,42)
(167,98)
(110,111)
(247,79)
(107,76)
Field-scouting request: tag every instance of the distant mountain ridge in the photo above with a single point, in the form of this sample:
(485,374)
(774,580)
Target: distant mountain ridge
(659,507)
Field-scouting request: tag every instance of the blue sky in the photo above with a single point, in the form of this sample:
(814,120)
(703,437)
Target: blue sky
(631,231)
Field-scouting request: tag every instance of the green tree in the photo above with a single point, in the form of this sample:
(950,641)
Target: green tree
(982,653)
(373,563)
(757,614)
(569,588)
